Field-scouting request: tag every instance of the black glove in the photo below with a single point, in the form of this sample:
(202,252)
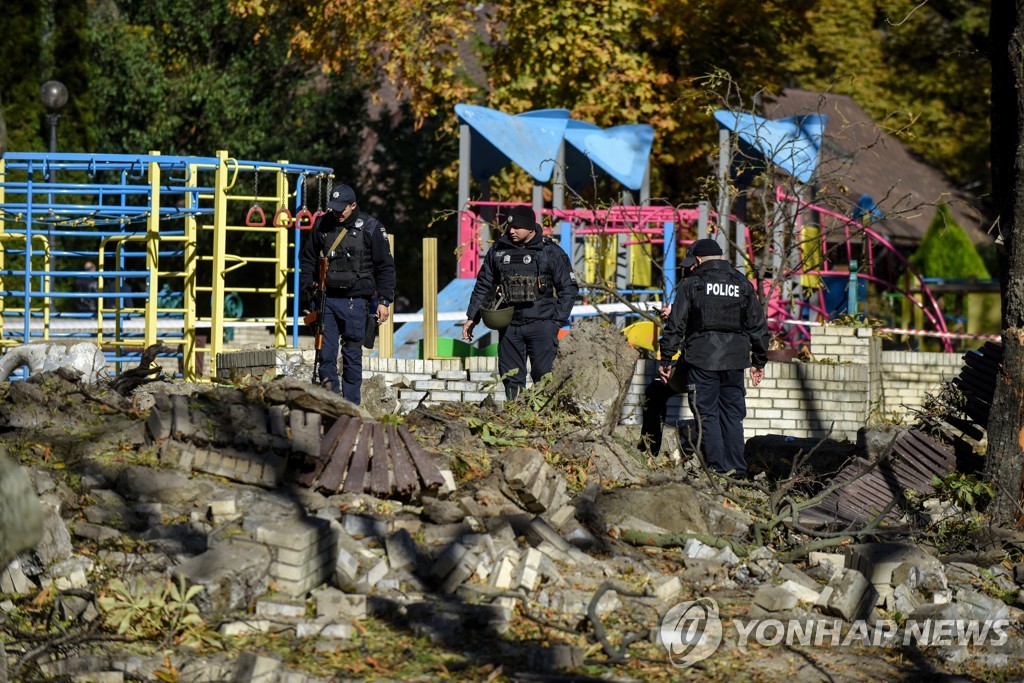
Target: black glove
(309,292)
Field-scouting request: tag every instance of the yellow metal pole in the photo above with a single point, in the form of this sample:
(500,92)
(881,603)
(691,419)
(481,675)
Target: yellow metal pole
(387,330)
(281,273)
(220,222)
(188,365)
(152,248)
(429,298)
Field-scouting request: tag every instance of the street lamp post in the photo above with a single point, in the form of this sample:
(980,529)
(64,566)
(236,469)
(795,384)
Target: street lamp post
(54,96)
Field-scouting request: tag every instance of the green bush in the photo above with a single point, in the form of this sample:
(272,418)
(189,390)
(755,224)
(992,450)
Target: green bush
(947,252)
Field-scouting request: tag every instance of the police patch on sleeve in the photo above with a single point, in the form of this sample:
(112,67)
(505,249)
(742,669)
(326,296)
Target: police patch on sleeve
(572,275)
(359,222)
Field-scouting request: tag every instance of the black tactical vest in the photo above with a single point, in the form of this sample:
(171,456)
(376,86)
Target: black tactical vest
(522,277)
(720,305)
(350,260)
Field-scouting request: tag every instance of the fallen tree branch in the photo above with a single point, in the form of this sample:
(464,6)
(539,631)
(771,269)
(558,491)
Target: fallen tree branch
(679,540)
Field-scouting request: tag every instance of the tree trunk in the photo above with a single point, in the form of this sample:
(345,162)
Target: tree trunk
(1005,460)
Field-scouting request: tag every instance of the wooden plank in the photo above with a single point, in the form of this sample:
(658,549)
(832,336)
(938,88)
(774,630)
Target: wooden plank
(380,481)
(406,480)
(429,474)
(334,473)
(356,478)
(326,449)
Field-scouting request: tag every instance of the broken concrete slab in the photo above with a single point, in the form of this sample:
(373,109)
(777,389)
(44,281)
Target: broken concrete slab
(878,561)
(672,506)
(21,515)
(775,599)
(852,595)
(232,576)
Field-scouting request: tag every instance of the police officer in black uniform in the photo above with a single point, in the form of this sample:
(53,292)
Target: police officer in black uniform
(535,276)
(719,322)
(360,269)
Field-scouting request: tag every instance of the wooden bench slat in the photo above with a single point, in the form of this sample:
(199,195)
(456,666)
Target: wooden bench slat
(333,475)
(356,479)
(326,446)
(380,480)
(429,474)
(406,480)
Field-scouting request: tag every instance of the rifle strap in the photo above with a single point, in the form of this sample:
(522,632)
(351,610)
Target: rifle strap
(337,241)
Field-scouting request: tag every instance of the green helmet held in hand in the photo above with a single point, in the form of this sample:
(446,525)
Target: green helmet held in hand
(497,318)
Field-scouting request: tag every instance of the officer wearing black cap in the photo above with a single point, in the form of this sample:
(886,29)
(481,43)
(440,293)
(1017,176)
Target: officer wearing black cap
(532,274)
(360,268)
(720,325)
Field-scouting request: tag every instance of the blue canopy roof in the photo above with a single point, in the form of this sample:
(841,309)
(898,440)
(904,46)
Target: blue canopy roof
(622,152)
(530,140)
(792,143)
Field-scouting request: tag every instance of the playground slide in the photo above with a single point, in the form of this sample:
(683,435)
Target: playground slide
(454,298)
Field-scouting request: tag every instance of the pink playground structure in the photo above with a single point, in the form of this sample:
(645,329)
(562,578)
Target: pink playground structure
(627,254)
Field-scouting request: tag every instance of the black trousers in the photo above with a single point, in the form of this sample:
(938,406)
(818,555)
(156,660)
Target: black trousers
(656,397)
(718,404)
(536,340)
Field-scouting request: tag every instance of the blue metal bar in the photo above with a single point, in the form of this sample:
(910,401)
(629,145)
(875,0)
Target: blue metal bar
(669,261)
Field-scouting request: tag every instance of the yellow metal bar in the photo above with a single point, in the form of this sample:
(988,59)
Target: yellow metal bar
(152,248)
(220,213)
(429,298)
(387,330)
(281,271)
(47,302)
(188,352)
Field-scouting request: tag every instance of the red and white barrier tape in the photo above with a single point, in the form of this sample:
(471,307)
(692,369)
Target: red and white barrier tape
(904,330)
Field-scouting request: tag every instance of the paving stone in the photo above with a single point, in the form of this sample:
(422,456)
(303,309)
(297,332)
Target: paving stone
(362,526)
(448,560)
(245,627)
(666,588)
(852,595)
(401,550)
(878,561)
(503,575)
(973,605)
(324,628)
(564,513)
(465,568)
(800,591)
(528,570)
(904,600)
(266,607)
(444,534)
(332,603)
(775,599)
(832,561)
(574,603)
(376,572)
(539,531)
(788,572)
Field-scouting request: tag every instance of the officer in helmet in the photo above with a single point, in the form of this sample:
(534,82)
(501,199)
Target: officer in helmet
(718,322)
(526,282)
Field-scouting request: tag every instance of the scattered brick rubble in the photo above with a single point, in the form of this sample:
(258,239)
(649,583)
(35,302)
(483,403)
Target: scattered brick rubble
(275,556)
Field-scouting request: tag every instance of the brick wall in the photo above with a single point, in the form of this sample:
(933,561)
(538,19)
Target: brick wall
(852,384)
(909,376)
